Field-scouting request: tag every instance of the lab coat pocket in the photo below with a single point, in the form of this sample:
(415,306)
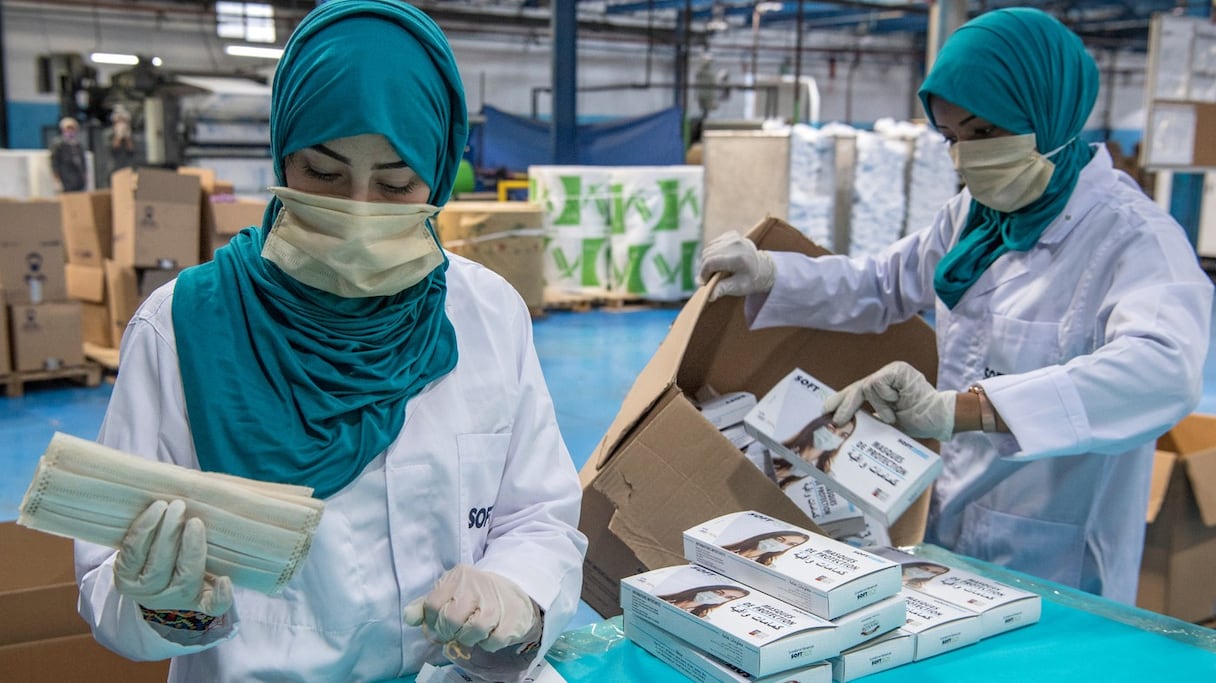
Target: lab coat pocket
(1051,550)
(1021,346)
(482,460)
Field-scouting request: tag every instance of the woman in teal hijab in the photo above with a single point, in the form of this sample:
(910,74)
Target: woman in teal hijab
(1072,317)
(338,347)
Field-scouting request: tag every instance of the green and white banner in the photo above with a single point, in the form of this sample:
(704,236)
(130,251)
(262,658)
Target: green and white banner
(576,203)
(656,230)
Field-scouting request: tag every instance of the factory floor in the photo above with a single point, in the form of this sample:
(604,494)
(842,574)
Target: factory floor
(590,360)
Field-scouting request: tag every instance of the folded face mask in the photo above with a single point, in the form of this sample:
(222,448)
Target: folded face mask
(258,533)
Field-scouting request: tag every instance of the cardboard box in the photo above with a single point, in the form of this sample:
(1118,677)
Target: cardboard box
(1001,607)
(506,237)
(37,587)
(151,279)
(87,226)
(699,666)
(95,327)
(6,358)
(122,289)
(745,628)
(225,216)
(870,463)
(1180,541)
(86,282)
(939,626)
(662,468)
(887,651)
(155,218)
(46,336)
(75,658)
(31,251)
(816,573)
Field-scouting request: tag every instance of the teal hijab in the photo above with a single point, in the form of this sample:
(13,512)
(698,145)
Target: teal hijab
(1024,71)
(292,384)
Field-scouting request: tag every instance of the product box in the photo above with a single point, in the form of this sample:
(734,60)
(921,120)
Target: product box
(821,575)
(703,668)
(872,464)
(886,651)
(662,468)
(727,410)
(731,621)
(939,626)
(95,325)
(87,227)
(155,218)
(506,237)
(31,251)
(836,516)
(1180,541)
(1001,607)
(46,336)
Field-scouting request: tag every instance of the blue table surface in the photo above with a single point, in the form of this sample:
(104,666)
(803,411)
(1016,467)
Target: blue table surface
(1079,637)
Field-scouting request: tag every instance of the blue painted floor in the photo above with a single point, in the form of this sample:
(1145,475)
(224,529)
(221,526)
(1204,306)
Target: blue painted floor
(590,360)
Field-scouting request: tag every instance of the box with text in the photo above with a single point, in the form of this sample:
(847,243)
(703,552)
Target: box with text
(734,622)
(939,626)
(887,651)
(821,575)
(874,465)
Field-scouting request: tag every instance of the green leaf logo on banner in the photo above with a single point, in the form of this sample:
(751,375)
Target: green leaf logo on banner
(634,283)
(592,248)
(565,269)
(688,253)
(622,206)
(674,203)
(667,274)
(599,196)
(572,208)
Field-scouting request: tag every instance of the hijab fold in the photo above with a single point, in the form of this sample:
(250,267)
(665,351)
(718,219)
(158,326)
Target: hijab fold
(1024,71)
(288,383)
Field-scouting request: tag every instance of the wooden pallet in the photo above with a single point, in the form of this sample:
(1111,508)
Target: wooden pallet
(106,357)
(88,375)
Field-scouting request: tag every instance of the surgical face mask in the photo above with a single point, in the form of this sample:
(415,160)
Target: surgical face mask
(349,248)
(826,440)
(1005,173)
(770,545)
(258,533)
(708,598)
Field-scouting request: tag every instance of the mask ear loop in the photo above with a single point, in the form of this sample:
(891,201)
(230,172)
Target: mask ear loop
(1059,149)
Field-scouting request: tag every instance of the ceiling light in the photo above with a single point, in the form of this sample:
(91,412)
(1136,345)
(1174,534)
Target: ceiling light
(254,51)
(113,58)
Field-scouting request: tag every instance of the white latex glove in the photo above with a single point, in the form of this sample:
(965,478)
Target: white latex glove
(476,608)
(900,395)
(160,563)
(746,269)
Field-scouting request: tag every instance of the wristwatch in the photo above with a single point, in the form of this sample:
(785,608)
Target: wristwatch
(987,414)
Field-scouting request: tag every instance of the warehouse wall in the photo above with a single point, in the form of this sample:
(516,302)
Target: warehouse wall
(860,78)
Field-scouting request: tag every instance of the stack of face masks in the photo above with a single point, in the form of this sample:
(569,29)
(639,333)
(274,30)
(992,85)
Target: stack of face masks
(258,533)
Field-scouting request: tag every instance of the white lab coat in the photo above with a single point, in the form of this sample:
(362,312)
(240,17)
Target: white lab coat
(1090,345)
(483,436)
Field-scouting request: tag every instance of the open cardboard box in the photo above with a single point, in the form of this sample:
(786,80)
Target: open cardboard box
(662,467)
(1180,541)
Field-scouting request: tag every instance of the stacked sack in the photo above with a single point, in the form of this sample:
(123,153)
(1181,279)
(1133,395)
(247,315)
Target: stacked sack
(768,602)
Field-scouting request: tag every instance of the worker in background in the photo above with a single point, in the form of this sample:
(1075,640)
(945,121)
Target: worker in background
(68,163)
(1072,316)
(337,346)
(121,139)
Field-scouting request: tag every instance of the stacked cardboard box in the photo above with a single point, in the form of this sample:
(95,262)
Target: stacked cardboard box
(42,638)
(43,324)
(87,233)
(506,237)
(662,468)
(1180,541)
(762,597)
